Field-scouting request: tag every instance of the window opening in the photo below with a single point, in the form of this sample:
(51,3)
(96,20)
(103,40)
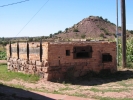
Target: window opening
(82,52)
(67,52)
(106,57)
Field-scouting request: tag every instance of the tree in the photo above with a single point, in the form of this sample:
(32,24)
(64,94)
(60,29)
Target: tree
(30,39)
(100,17)
(51,35)
(59,31)
(5,43)
(3,38)
(42,37)
(131,31)
(75,30)
(66,29)
(106,19)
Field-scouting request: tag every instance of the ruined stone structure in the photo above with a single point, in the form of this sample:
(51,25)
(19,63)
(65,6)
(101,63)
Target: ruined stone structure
(58,60)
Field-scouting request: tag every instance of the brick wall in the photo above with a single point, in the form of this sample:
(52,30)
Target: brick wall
(58,60)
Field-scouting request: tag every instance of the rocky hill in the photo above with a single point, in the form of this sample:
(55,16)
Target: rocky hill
(93,27)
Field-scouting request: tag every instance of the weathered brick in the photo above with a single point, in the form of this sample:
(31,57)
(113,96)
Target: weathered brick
(55,61)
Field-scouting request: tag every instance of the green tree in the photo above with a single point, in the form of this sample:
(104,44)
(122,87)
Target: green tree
(100,17)
(131,31)
(66,29)
(3,38)
(75,30)
(106,19)
(51,35)
(30,39)
(59,31)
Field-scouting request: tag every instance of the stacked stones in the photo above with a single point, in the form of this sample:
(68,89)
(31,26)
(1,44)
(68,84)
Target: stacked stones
(29,67)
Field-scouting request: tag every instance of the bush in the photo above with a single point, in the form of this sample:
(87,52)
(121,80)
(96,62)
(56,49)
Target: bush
(101,28)
(30,39)
(66,29)
(131,31)
(59,31)
(83,36)
(102,35)
(75,30)
(100,17)
(3,55)
(106,19)
(129,52)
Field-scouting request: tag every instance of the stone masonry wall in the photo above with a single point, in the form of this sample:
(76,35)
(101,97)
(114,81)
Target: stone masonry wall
(59,60)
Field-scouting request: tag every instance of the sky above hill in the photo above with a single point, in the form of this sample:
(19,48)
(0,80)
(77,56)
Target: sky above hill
(23,19)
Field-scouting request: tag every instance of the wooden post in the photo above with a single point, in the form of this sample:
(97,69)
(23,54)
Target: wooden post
(40,50)
(123,20)
(27,51)
(18,50)
(10,49)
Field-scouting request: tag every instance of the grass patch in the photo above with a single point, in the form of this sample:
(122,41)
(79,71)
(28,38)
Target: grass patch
(110,90)
(79,95)
(108,98)
(7,76)
(125,84)
(95,90)
(56,92)
(17,86)
(65,89)
(3,64)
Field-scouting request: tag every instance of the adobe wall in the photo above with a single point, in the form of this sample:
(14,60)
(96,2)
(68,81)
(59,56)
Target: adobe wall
(59,60)
(63,64)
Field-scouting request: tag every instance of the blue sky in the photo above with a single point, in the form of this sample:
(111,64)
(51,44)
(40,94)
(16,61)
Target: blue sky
(55,15)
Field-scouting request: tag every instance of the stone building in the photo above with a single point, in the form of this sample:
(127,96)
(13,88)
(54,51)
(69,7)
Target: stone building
(57,60)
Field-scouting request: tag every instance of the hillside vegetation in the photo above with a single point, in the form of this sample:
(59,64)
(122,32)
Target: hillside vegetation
(93,27)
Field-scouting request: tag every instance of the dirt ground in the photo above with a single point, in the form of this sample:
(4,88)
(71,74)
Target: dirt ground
(3,61)
(111,90)
(118,86)
(94,88)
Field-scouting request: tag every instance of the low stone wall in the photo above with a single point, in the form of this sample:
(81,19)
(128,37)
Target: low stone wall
(45,71)
(29,67)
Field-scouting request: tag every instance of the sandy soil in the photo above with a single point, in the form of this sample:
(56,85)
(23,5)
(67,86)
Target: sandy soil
(113,89)
(120,87)
(3,61)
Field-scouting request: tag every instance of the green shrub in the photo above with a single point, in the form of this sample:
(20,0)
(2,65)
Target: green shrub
(101,28)
(3,55)
(75,30)
(131,31)
(102,35)
(66,29)
(59,31)
(129,52)
(106,33)
(83,36)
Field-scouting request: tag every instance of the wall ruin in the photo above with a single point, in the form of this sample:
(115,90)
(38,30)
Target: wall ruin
(57,60)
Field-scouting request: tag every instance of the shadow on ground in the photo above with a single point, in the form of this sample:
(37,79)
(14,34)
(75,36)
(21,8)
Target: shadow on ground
(92,79)
(10,93)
